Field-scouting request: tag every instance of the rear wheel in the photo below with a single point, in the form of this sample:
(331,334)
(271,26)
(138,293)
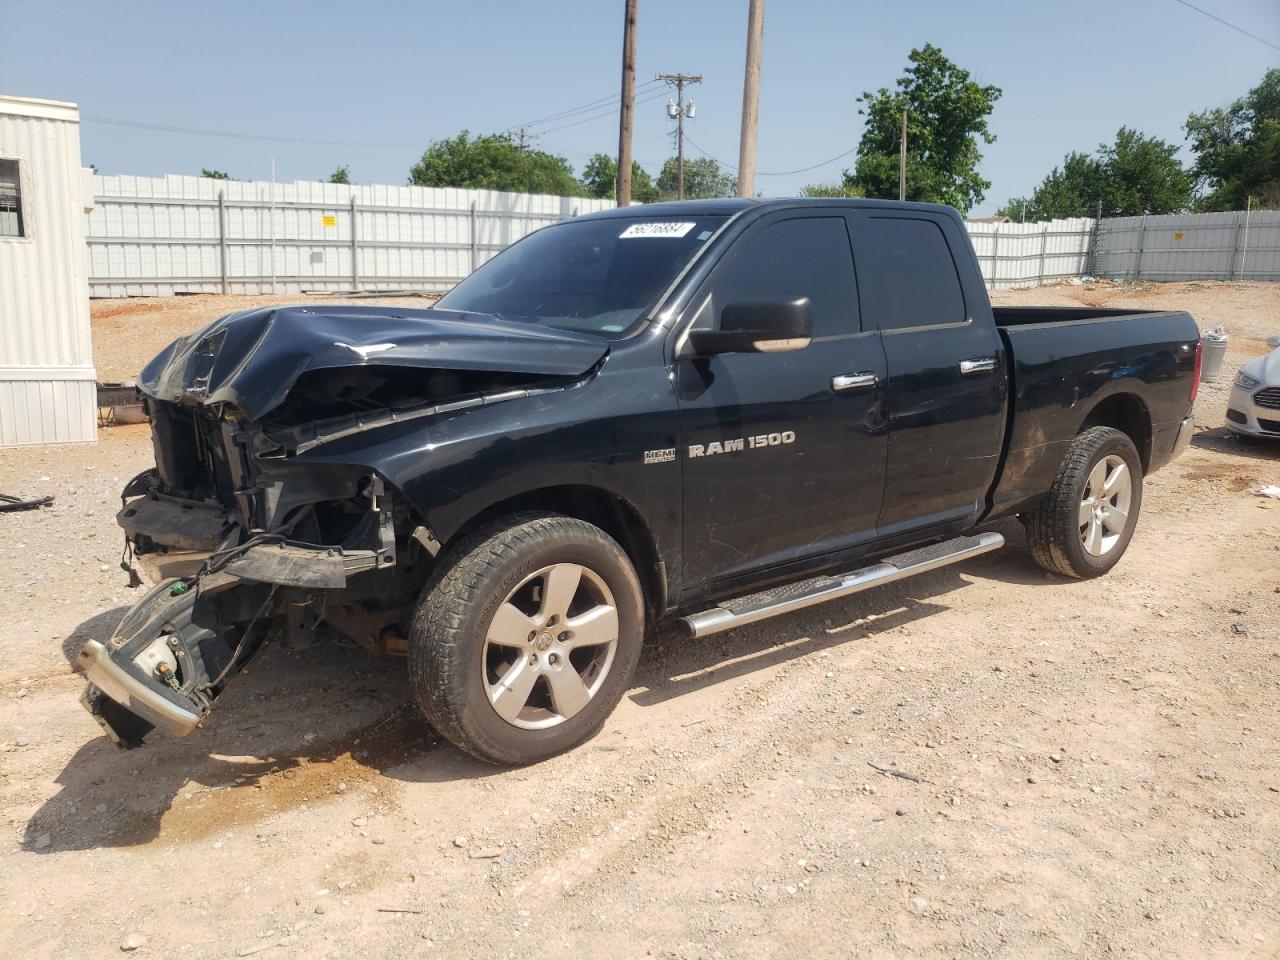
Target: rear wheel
(524,643)
(1082,528)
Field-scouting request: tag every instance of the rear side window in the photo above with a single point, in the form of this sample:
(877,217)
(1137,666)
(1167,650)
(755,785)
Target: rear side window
(909,278)
(806,257)
(10,199)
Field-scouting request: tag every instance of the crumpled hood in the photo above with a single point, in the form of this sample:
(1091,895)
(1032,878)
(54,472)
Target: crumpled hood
(253,358)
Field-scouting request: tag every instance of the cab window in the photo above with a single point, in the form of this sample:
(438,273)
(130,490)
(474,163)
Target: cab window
(910,276)
(798,257)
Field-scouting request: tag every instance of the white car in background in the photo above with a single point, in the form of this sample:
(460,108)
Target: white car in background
(1253,409)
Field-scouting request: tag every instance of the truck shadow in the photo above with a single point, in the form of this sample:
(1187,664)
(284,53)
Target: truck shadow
(674,666)
(98,627)
(304,726)
(300,728)
(1222,440)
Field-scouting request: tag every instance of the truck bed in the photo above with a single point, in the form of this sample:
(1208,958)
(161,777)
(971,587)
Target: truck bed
(1065,362)
(1026,316)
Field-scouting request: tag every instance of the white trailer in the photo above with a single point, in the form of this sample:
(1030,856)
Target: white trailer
(47,380)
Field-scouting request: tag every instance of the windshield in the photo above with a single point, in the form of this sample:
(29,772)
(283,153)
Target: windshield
(598,276)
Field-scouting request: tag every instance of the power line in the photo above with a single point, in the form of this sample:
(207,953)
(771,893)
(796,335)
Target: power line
(610,100)
(774,173)
(787,173)
(525,139)
(235,135)
(727,166)
(655,95)
(1228,23)
(314,141)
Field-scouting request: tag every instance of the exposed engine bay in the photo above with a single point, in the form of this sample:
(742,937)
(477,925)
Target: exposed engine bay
(244,551)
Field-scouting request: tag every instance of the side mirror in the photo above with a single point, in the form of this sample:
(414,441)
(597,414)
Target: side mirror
(765,326)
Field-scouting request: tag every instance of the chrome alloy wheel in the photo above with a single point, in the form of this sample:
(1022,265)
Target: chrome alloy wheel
(1104,508)
(549,646)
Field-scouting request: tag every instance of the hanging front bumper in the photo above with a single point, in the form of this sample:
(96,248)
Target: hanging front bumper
(131,691)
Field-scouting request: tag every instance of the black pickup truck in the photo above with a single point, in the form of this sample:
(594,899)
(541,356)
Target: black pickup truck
(715,411)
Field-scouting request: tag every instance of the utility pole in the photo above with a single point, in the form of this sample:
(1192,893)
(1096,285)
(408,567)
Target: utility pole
(750,100)
(678,111)
(525,139)
(623,191)
(902,160)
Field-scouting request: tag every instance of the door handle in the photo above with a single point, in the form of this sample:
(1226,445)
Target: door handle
(854,381)
(971,368)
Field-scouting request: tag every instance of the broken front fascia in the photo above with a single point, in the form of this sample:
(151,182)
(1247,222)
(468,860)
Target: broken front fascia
(223,501)
(177,649)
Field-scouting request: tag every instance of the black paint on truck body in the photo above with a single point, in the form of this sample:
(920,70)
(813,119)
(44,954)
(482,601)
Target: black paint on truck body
(722,474)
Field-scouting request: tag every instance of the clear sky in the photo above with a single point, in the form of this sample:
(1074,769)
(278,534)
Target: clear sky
(399,74)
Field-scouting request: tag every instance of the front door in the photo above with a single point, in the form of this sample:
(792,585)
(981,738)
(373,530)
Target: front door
(783,453)
(947,376)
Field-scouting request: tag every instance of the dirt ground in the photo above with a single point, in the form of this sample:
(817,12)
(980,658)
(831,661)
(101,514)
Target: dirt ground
(1100,761)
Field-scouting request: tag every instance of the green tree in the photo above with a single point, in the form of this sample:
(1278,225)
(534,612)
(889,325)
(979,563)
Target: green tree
(1237,149)
(1018,209)
(600,177)
(493,162)
(1144,175)
(843,189)
(1071,190)
(1134,175)
(215,174)
(703,180)
(947,115)
(341,175)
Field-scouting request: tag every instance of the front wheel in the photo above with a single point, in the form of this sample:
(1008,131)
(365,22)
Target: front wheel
(1081,529)
(527,639)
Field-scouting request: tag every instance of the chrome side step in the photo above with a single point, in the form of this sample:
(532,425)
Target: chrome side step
(796,596)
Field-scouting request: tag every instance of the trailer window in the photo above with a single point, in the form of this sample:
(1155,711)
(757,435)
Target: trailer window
(10,199)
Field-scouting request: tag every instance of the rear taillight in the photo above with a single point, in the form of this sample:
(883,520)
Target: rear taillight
(1195,374)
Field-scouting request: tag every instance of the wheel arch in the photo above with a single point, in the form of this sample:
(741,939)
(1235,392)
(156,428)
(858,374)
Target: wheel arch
(613,514)
(1128,413)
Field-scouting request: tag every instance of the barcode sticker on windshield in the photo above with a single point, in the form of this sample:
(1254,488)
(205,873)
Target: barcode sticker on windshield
(656,228)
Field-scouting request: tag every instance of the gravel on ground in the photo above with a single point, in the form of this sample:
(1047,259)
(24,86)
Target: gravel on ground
(1098,762)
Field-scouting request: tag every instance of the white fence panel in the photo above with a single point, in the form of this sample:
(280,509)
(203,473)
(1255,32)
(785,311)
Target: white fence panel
(1237,245)
(159,236)
(1030,254)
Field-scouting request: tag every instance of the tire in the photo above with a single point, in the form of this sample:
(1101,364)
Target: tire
(1076,530)
(469,656)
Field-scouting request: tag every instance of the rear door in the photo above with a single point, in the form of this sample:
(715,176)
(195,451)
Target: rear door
(946,367)
(783,452)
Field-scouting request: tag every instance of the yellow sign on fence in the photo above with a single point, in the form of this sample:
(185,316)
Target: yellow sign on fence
(329,220)
(1177,236)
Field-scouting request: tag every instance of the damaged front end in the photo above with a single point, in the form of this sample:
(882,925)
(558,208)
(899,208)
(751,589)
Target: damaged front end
(242,551)
(248,541)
